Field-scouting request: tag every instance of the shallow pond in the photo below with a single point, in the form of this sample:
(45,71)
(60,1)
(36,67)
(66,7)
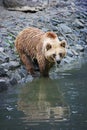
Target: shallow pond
(55,103)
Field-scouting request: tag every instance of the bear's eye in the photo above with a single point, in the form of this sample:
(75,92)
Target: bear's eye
(48,47)
(54,55)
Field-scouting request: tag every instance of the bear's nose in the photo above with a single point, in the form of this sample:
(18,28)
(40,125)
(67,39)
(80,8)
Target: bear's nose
(58,62)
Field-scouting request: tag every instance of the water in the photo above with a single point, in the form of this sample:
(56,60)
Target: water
(56,103)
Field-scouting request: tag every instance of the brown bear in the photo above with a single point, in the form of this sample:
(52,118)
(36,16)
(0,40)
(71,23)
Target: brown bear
(33,44)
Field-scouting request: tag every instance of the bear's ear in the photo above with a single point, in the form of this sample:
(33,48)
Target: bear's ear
(51,35)
(48,46)
(63,43)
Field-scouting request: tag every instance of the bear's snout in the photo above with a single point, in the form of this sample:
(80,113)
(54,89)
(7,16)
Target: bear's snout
(58,61)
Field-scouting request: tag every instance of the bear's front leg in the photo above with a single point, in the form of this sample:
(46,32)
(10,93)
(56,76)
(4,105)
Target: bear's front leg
(28,63)
(42,66)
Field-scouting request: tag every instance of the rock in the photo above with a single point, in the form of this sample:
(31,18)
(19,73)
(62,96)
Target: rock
(13,81)
(55,22)
(2,72)
(69,53)
(29,78)
(14,75)
(25,5)
(74,52)
(3,85)
(3,57)
(64,28)
(22,72)
(79,48)
(11,65)
(1,49)
(54,28)
(68,59)
(78,24)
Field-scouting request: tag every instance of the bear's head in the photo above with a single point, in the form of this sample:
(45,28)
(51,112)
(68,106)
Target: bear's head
(54,50)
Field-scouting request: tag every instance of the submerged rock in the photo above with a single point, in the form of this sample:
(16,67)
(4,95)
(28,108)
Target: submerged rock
(3,85)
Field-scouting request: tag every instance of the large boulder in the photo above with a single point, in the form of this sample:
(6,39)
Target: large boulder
(25,5)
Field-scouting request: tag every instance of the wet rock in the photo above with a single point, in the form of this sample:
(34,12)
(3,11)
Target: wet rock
(2,72)
(29,78)
(13,81)
(14,75)
(22,72)
(3,85)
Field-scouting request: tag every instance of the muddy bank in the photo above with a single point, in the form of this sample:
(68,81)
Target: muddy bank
(67,19)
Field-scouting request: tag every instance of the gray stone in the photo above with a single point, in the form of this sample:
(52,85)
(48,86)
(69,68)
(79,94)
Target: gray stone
(25,5)
(29,78)
(64,28)
(11,65)
(69,53)
(13,81)
(14,75)
(68,59)
(3,85)
(2,72)
(1,49)
(3,57)
(54,28)
(78,24)
(55,22)
(22,72)
(74,52)
(79,48)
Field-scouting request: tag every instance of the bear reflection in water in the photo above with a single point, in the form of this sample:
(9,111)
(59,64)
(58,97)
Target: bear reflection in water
(41,100)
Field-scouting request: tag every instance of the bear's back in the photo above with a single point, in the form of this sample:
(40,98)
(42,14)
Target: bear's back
(28,39)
